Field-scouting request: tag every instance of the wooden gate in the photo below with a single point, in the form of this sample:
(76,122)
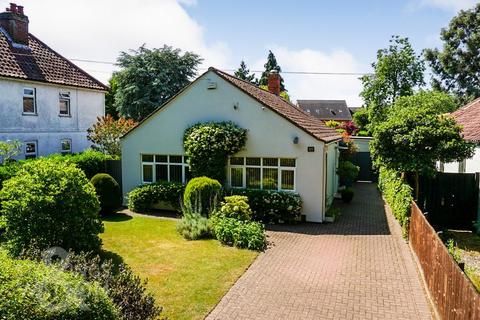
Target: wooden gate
(363,160)
(114,168)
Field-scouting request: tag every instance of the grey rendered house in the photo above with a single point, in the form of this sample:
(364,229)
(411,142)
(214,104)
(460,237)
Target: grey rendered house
(47,102)
(284,143)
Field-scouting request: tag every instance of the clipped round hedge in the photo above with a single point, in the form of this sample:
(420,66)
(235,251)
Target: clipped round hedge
(50,204)
(32,290)
(142,198)
(201,195)
(108,192)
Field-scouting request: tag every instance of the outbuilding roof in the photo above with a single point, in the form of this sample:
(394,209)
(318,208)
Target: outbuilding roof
(469,117)
(38,62)
(326,109)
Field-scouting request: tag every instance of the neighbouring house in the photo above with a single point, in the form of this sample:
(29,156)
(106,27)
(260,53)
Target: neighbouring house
(47,102)
(326,110)
(299,149)
(354,109)
(468,117)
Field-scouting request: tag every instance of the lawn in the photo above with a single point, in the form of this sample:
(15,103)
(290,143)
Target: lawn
(188,278)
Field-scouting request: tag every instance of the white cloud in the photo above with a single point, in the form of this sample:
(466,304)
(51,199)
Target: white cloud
(99,30)
(319,86)
(447,5)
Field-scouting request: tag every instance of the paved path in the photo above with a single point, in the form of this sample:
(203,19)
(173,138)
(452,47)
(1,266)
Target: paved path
(356,268)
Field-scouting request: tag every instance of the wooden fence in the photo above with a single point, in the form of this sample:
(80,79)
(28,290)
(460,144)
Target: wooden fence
(452,292)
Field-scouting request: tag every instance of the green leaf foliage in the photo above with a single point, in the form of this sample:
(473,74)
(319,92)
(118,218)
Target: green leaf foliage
(270,65)
(235,207)
(202,193)
(244,73)
(108,192)
(149,77)
(32,291)
(456,66)
(193,226)
(50,203)
(347,172)
(208,146)
(144,197)
(417,134)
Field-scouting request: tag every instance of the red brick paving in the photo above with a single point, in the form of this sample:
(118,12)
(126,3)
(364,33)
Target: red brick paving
(356,268)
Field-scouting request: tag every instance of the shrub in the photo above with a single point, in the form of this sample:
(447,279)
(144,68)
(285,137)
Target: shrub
(32,290)
(241,234)
(235,207)
(193,226)
(398,195)
(347,172)
(7,171)
(347,195)
(142,198)
(51,203)
(208,146)
(272,206)
(333,212)
(202,193)
(91,162)
(108,192)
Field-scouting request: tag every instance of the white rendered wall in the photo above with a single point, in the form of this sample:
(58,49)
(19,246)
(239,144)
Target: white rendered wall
(472,165)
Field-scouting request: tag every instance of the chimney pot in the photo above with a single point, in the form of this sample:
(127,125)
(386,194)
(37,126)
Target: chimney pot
(20,10)
(15,23)
(274,82)
(13,8)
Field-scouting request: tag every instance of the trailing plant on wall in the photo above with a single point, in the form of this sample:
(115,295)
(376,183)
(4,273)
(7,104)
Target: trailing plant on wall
(208,146)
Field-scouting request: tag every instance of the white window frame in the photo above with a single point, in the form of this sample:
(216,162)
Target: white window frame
(62,151)
(167,163)
(64,96)
(34,97)
(29,154)
(279,168)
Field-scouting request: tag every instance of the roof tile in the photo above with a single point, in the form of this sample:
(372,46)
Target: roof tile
(469,117)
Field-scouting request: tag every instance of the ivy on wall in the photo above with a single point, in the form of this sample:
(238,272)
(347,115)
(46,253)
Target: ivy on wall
(208,146)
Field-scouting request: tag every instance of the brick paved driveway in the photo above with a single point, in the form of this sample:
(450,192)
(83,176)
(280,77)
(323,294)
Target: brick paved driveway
(356,268)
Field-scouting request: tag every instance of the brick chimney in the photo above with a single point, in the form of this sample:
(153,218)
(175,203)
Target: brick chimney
(274,82)
(15,23)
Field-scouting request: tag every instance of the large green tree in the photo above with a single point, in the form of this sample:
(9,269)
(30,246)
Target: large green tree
(417,133)
(110,108)
(269,66)
(149,77)
(396,73)
(244,73)
(456,67)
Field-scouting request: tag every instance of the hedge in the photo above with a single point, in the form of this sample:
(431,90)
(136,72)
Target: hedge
(32,290)
(272,206)
(398,194)
(142,198)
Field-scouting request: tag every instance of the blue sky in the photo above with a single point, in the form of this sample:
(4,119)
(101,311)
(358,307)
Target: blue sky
(322,36)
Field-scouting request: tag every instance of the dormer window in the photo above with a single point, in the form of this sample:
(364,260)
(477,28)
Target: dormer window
(29,101)
(64,103)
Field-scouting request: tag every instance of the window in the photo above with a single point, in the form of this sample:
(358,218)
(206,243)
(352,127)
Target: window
(29,101)
(165,168)
(262,173)
(30,149)
(66,145)
(64,103)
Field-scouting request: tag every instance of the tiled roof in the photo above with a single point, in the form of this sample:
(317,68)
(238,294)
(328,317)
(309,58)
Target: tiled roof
(290,112)
(41,63)
(469,117)
(326,109)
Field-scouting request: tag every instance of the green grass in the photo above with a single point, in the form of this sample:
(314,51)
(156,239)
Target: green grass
(188,278)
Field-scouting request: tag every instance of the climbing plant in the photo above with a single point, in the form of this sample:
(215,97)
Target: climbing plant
(208,146)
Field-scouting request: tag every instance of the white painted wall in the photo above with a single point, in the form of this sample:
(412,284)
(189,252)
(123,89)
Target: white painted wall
(472,165)
(48,127)
(269,135)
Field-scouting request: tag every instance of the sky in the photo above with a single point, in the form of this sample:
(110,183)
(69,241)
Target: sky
(314,36)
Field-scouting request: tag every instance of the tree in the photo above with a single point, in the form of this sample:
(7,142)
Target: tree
(269,66)
(244,73)
(9,149)
(397,72)
(149,77)
(110,108)
(106,133)
(456,67)
(417,133)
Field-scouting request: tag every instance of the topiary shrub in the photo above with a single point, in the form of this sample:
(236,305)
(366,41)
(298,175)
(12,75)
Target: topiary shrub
(202,193)
(108,192)
(50,203)
(347,195)
(32,290)
(143,198)
(208,146)
(272,206)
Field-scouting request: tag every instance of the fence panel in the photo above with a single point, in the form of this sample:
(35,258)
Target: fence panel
(452,292)
(114,168)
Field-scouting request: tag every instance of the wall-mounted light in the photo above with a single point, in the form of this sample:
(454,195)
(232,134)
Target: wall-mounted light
(295,140)
(235,106)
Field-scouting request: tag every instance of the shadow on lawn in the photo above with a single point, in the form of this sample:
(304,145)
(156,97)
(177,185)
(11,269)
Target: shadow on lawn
(117,217)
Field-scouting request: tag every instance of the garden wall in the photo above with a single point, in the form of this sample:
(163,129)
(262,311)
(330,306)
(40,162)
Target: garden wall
(454,295)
